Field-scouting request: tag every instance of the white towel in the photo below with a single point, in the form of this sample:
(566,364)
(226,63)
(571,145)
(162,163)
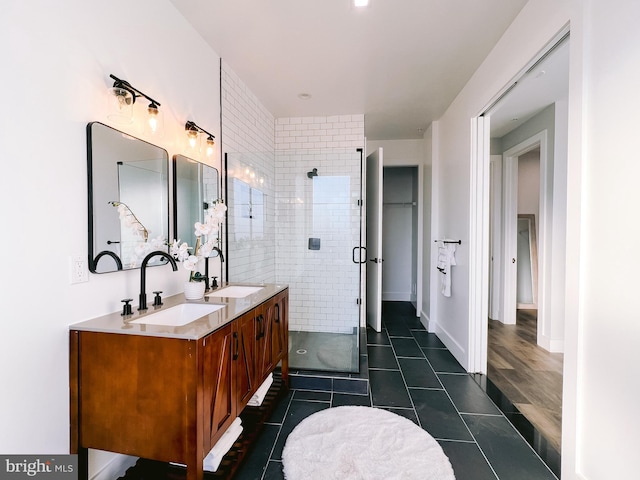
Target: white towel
(212,461)
(446,258)
(258,397)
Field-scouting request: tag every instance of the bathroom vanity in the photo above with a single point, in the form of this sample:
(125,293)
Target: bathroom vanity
(165,384)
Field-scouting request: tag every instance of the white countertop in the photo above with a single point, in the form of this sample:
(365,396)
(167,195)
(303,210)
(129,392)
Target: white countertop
(234,307)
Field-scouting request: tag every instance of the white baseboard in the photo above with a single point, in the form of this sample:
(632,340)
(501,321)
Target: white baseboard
(454,347)
(396,296)
(550,345)
(424,319)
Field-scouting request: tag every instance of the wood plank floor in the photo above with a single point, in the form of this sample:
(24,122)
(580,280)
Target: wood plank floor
(529,376)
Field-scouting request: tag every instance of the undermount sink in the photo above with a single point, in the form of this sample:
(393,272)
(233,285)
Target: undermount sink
(235,291)
(179,315)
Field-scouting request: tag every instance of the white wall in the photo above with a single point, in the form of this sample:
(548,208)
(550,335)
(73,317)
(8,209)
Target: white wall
(57,57)
(609,323)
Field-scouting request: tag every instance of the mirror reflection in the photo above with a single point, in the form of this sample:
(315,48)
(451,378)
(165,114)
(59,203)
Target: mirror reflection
(128,199)
(195,191)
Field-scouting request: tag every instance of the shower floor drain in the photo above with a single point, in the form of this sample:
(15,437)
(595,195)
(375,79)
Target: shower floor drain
(301,351)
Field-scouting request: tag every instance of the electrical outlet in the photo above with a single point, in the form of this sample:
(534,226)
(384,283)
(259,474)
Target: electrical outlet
(78,269)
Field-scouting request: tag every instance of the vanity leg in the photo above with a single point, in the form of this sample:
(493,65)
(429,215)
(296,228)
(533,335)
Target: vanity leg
(284,370)
(83,463)
(74,408)
(195,472)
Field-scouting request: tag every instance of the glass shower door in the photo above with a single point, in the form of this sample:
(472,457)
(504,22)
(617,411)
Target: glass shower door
(318,225)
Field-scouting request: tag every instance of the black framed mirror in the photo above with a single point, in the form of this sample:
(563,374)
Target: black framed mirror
(195,190)
(128,186)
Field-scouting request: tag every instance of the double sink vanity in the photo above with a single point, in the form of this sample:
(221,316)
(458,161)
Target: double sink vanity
(165,384)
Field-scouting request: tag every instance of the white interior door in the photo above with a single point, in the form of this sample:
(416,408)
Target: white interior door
(374,239)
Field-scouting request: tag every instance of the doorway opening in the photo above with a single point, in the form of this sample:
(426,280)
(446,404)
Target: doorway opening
(400,234)
(526,130)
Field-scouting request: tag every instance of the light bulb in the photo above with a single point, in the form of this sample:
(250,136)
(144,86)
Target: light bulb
(120,105)
(210,144)
(153,117)
(193,138)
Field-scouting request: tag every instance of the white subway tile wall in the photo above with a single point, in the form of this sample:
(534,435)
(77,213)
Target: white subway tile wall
(324,283)
(248,140)
(275,208)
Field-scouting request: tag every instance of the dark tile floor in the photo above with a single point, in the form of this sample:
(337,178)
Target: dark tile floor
(412,374)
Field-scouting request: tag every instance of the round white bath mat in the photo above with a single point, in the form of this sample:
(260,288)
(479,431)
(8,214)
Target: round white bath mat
(362,443)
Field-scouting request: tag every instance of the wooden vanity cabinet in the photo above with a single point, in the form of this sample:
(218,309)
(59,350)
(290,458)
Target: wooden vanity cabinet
(169,399)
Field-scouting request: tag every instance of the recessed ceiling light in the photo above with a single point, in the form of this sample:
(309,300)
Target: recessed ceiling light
(360,3)
(304,96)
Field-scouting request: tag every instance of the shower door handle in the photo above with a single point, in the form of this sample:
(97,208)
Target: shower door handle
(353,255)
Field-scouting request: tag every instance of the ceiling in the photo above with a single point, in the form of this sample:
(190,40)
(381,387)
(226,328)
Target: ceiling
(400,62)
(542,85)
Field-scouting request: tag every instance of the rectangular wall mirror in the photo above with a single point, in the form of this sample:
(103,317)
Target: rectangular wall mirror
(195,189)
(527,273)
(128,199)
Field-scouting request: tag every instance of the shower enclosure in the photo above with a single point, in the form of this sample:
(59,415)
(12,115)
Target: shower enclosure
(300,224)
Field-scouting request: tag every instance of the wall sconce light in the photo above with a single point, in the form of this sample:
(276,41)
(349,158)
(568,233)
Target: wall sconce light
(193,139)
(123,96)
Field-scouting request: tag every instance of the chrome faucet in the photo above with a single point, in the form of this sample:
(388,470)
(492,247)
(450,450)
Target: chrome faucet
(142,304)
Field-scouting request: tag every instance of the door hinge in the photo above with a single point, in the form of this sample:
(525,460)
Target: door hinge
(359,202)
(358,301)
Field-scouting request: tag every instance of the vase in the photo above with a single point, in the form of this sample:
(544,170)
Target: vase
(194,290)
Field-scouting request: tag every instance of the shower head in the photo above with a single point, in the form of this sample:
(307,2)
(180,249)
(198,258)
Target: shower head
(312,173)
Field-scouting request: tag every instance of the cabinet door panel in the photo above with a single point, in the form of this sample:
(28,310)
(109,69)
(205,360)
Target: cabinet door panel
(219,402)
(264,355)
(244,342)
(279,336)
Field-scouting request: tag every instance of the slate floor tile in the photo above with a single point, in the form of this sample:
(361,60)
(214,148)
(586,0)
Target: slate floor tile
(388,390)
(438,416)
(467,395)
(406,347)
(443,361)
(467,461)
(426,339)
(418,373)
(382,357)
(508,454)
(341,399)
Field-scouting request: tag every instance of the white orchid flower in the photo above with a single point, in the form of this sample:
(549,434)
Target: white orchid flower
(201,229)
(206,249)
(190,262)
